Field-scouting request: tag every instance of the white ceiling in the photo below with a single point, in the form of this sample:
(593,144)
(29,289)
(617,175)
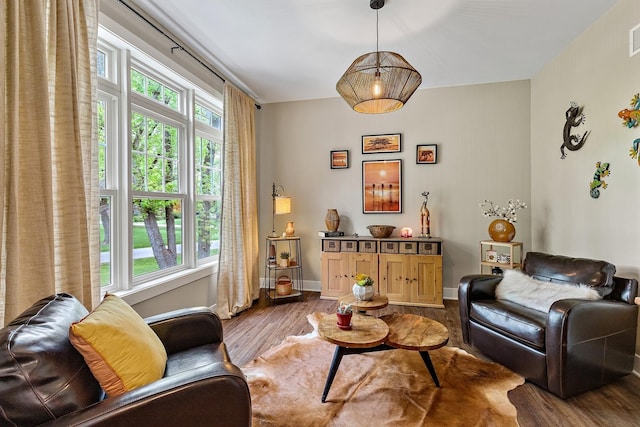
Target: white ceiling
(286,50)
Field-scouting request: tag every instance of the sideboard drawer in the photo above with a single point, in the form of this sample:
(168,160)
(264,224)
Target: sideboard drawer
(425,248)
(389,247)
(408,247)
(349,246)
(369,247)
(331,245)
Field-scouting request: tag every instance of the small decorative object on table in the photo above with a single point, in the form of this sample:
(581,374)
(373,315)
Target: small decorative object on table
(290,230)
(492,256)
(406,232)
(284,259)
(381,231)
(363,289)
(344,314)
(502,229)
(332,220)
(425,217)
(504,259)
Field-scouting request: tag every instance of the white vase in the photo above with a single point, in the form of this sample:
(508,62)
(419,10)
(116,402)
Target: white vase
(363,293)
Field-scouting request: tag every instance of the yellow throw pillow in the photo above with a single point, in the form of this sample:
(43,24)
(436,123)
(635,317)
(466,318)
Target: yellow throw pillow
(121,350)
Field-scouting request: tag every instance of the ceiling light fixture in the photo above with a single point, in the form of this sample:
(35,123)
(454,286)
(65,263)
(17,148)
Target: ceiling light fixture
(378,82)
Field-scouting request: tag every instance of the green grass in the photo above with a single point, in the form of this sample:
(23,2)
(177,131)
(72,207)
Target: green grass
(140,266)
(141,240)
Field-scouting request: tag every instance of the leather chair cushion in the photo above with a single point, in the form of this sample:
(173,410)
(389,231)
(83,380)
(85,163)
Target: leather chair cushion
(42,376)
(579,271)
(516,321)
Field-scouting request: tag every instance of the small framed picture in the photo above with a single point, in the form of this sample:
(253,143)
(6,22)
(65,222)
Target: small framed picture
(492,256)
(427,154)
(389,143)
(339,159)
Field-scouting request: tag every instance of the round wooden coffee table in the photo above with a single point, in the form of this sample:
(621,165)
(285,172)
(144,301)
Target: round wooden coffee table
(366,333)
(376,303)
(393,331)
(419,333)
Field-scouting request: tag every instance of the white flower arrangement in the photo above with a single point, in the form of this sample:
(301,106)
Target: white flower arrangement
(508,213)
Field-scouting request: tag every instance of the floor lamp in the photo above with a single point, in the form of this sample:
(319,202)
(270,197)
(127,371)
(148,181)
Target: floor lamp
(281,205)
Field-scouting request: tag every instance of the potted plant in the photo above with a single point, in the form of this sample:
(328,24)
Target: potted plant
(284,259)
(344,314)
(363,289)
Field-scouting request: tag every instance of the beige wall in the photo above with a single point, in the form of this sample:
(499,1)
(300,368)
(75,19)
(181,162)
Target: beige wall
(595,71)
(482,133)
(194,294)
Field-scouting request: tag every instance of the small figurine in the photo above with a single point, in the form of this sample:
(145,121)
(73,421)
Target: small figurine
(425,217)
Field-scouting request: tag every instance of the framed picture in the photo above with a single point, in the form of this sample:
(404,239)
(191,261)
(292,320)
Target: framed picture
(372,144)
(427,154)
(382,186)
(339,159)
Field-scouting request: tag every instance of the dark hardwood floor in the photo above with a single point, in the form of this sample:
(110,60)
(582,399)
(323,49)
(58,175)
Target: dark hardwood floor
(263,326)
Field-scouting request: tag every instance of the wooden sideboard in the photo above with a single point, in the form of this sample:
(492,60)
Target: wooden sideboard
(407,270)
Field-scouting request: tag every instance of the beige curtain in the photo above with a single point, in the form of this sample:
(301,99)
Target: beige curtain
(238,276)
(49,231)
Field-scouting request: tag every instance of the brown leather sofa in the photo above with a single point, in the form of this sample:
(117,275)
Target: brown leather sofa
(578,346)
(45,381)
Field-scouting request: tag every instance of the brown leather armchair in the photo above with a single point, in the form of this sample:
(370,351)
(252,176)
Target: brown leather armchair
(44,380)
(577,346)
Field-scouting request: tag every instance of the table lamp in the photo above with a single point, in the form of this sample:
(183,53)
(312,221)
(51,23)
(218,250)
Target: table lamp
(281,205)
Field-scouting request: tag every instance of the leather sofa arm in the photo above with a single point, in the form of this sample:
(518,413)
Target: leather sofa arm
(474,287)
(216,394)
(624,290)
(588,343)
(478,286)
(186,328)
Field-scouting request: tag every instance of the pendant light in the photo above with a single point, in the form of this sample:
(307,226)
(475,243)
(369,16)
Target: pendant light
(378,82)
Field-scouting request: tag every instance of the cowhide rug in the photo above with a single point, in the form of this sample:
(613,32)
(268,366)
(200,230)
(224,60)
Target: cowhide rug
(386,388)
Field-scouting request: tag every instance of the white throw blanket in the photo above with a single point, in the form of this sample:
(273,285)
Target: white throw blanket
(525,290)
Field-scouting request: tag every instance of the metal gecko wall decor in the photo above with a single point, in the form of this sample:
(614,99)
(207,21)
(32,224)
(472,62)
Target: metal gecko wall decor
(630,117)
(602,170)
(574,118)
(630,120)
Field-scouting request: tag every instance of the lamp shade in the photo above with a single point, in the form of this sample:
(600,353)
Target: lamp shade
(282,205)
(378,82)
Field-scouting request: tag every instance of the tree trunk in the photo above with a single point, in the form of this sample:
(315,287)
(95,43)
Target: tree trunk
(163,256)
(204,234)
(106,223)
(171,231)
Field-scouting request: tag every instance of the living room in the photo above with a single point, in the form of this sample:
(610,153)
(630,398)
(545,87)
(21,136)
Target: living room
(496,141)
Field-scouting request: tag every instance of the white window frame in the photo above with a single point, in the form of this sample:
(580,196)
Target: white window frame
(121,57)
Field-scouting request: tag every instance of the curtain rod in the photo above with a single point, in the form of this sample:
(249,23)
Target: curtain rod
(177,45)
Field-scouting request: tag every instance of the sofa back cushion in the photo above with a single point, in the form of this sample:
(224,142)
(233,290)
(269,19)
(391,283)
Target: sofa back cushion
(595,274)
(42,376)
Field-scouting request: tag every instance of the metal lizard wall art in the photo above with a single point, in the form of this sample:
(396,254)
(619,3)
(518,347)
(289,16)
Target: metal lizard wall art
(574,118)
(633,153)
(630,117)
(602,170)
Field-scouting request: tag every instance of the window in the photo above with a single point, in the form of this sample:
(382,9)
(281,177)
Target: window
(160,172)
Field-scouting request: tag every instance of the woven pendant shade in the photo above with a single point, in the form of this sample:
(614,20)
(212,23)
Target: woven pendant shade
(397,82)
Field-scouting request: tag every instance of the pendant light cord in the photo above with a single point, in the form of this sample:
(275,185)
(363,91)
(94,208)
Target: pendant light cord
(377,41)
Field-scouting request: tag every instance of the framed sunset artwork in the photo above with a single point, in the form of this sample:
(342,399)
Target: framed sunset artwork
(382,186)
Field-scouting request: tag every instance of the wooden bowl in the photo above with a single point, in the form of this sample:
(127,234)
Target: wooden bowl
(381,231)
